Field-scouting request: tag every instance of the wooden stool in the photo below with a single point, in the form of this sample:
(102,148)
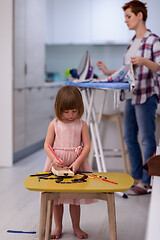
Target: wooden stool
(117,118)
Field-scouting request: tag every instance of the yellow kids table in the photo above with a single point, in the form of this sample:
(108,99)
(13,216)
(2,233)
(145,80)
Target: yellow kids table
(93,188)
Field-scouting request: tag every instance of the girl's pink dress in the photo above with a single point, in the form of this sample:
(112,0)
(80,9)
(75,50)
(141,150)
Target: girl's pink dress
(68,146)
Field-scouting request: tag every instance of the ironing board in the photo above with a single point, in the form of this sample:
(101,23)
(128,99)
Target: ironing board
(93,188)
(89,89)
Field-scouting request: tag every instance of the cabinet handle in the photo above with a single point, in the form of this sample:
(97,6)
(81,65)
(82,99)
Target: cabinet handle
(52,98)
(51,116)
(25,68)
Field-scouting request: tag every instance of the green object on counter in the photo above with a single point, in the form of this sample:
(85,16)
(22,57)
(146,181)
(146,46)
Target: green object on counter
(67,72)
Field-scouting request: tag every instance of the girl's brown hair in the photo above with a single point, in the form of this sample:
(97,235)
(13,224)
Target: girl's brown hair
(68,98)
(136,7)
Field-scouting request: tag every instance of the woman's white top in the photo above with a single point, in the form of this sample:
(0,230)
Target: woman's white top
(133,50)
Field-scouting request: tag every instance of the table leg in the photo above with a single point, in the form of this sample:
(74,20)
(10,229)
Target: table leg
(43,215)
(49,219)
(111,216)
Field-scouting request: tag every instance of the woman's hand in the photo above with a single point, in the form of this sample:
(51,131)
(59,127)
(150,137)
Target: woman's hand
(138,61)
(101,66)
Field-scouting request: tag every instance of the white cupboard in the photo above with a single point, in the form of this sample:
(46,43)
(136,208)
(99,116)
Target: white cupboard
(85,22)
(29,73)
(107,22)
(29,50)
(153,16)
(67,21)
(92,21)
(18,120)
(19,43)
(34,39)
(33,111)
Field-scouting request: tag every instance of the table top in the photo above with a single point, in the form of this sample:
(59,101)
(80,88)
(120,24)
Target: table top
(123,180)
(101,85)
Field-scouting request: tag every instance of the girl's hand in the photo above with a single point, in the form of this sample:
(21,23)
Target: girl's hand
(57,163)
(74,166)
(138,61)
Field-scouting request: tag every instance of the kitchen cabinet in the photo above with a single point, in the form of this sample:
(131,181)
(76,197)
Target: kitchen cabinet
(67,21)
(33,111)
(92,21)
(49,98)
(85,21)
(29,49)
(35,116)
(29,115)
(18,120)
(107,22)
(153,16)
(35,49)
(19,43)
(40,112)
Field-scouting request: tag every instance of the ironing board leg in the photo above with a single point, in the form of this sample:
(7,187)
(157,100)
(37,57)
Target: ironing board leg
(49,219)
(95,147)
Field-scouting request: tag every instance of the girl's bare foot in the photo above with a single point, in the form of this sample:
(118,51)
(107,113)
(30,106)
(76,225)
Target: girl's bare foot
(56,234)
(79,233)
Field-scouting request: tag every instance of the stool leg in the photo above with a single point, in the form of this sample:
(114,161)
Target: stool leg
(117,119)
(43,215)
(49,219)
(111,216)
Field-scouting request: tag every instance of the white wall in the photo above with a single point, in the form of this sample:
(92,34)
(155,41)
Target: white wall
(6,83)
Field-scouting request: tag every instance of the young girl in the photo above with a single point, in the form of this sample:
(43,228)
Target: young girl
(68,136)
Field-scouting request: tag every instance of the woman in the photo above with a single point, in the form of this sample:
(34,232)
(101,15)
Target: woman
(139,116)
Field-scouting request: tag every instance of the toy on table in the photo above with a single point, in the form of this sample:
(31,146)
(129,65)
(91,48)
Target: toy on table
(62,172)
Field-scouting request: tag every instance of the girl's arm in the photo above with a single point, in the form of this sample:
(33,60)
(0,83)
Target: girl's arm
(139,61)
(86,148)
(48,145)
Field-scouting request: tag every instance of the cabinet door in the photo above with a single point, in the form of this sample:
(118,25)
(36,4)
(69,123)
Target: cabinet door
(29,71)
(34,43)
(29,48)
(40,112)
(49,99)
(35,130)
(107,22)
(67,21)
(19,44)
(153,16)
(19,118)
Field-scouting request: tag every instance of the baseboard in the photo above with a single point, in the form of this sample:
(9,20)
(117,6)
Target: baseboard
(17,156)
